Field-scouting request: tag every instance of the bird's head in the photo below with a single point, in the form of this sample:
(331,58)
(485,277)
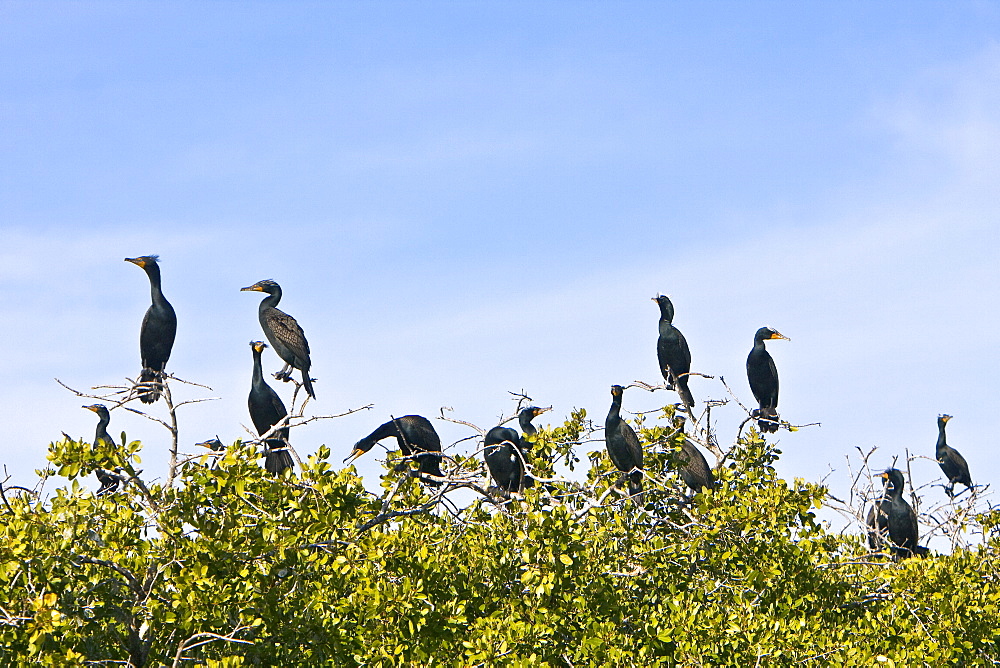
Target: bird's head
(535,411)
(267,285)
(212,444)
(943,419)
(766,333)
(144,260)
(258,346)
(666,307)
(617,391)
(100,409)
(355,453)
(893,478)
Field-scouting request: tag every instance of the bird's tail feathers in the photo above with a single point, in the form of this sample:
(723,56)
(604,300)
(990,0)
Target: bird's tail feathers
(684,392)
(308,384)
(430,463)
(149,386)
(768,420)
(277,460)
(635,485)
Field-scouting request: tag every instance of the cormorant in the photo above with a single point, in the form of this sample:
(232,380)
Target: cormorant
(109,481)
(672,352)
(623,444)
(416,437)
(285,335)
(267,410)
(504,463)
(763,377)
(892,517)
(694,468)
(955,468)
(156,338)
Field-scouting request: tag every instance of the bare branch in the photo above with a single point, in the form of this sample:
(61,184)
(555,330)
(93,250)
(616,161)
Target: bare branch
(204,638)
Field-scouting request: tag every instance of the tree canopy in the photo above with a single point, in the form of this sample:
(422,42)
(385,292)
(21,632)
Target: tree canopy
(224,564)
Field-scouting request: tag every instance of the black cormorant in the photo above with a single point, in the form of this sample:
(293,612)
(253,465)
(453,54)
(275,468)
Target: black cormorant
(955,468)
(285,335)
(416,437)
(694,468)
(672,352)
(763,377)
(156,338)
(892,517)
(623,444)
(504,463)
(109,481)
(267,410)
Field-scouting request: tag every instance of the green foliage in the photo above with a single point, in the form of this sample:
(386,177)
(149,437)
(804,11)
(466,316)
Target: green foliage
(310,569)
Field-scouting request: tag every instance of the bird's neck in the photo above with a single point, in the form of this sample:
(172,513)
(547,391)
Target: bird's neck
(526,426)
(258,374)
(155,290)
(942,441)
(271,300)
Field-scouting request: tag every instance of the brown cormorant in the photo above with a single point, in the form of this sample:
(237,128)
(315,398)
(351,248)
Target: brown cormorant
(892,517)
(763,377)
(156,338)
(503,461)
(955,468)
(672,352)
(109,481)
(284,333)
(694,468)
(623,444)
(416,437)
(267,410)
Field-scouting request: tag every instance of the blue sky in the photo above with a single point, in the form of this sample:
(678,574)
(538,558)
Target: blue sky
(462,199)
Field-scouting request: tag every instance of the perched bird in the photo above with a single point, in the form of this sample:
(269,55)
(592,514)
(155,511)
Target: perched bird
(955,468)
(694,468)
(416,437)
(504,462)
(267,410)
(623,444)
(763,377)
(109,481)
(672,352)
(285,335)
(892,517)
(156,338)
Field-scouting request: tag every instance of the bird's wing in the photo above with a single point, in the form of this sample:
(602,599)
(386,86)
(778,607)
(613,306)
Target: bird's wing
(287,330)
(961,464)
(634,448)
(774,374)
(277,403)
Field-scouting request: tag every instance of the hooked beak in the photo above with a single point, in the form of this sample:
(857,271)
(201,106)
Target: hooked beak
(251,288)
(354,455)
